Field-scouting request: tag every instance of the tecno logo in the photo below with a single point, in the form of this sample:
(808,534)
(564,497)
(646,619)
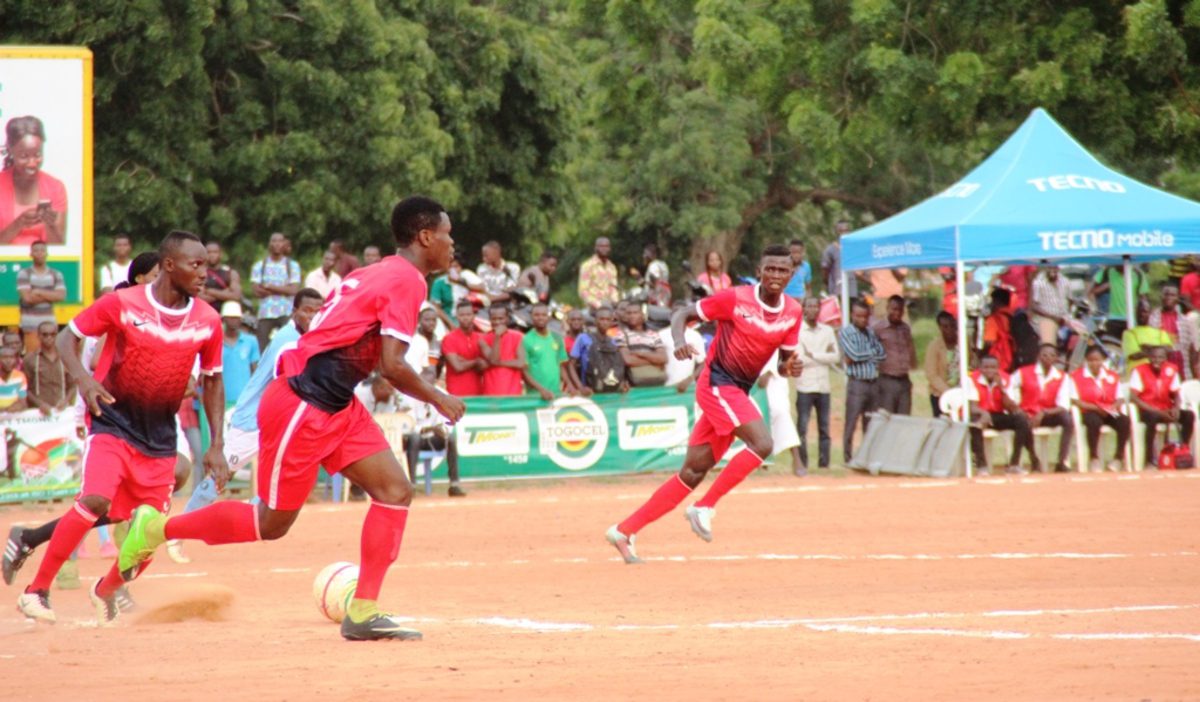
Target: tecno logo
(1081,239)
(1075,182)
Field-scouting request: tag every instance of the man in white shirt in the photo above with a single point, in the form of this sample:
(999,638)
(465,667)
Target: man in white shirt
(116,270)
(682,373)
(818,352)
(324,280)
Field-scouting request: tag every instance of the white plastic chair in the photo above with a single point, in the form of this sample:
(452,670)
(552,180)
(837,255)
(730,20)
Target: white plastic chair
(1081,457)
(1189,399)
(952,405)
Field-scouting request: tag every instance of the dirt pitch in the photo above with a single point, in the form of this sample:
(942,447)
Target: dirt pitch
(1041,588)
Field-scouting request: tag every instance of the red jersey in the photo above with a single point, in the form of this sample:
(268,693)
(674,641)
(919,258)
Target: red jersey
(1038,393)
(146,363)
(990,397)
(1189,289)
(748,333)
(504,381)
(345,339)
(1101,391)
(1158,390)
(464,344)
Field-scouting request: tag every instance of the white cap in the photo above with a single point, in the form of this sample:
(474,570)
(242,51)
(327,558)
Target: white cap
(231,308)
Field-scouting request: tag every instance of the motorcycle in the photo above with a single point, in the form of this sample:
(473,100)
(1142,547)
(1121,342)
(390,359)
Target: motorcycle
(1083,329)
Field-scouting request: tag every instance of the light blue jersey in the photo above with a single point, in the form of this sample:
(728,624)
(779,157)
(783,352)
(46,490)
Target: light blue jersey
(245,412)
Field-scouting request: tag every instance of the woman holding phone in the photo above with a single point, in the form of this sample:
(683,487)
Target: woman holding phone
(33,203)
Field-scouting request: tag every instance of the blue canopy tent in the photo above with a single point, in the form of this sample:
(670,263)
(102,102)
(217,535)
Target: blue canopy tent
(1040,197)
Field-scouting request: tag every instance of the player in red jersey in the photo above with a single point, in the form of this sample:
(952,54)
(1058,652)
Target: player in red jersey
(154,335)
(309,417)
(752,322)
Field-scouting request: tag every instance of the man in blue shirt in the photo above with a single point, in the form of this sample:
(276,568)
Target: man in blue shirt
(240,353)
(797,287)
(241,432)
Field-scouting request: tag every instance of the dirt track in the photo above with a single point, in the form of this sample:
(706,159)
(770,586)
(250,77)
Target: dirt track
(1056,587)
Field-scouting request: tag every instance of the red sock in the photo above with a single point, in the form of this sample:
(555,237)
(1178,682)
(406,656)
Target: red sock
(220,523)
(382,532)
(113,580)
(665,498)
(67,536)
(739,467)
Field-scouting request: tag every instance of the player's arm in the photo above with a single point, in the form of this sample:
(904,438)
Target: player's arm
(213,396)
(69,348)
(396,371)
(679,322)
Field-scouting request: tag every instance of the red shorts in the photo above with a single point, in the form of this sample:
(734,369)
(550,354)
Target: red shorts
(296,438)
(115,470)
(723,408)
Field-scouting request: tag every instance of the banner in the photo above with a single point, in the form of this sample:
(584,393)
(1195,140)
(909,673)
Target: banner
(48,89)
(645,429)
(42,456)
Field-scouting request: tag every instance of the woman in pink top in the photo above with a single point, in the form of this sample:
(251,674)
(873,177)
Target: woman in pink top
(714,275)
(33,203)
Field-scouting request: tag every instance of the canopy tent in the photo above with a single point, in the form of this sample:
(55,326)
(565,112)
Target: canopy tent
(1040,197)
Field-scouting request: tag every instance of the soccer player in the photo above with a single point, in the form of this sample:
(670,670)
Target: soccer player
(154,335)
(752,322)
(309,417)
(241,441)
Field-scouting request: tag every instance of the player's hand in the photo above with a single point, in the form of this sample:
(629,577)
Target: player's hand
(216,466)
(585,391)
(793,367)
(93,394)
(684,351)
(683,385)
(546,394)
(449,407)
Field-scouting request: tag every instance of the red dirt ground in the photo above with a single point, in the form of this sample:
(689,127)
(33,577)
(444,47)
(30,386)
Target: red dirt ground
(1047,588)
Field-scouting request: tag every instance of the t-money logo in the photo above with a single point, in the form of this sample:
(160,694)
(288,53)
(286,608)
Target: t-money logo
(573,433)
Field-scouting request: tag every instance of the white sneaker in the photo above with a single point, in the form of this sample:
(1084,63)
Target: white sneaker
(1095,466)
(107,609)
(175,551)
(36,605)
(1116,466)
(701,520)
(623,544)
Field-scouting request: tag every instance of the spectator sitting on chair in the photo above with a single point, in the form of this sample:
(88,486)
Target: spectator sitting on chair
(941,360)
(1185,340)
(1035,387)
(1093,389)
(463,354)
(1154,388)
(505,353)
(1137,342)
(51,388)
(430,434)
(894,386)
(546,357)
(642,350)
(992,407)
(537,277)
(863,353)
(997,330)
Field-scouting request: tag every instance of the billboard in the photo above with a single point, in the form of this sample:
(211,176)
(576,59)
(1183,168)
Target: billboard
(46,174)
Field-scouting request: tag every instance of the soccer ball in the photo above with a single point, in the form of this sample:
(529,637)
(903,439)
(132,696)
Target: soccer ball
(334,588)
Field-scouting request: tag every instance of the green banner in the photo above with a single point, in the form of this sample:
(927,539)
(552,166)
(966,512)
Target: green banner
(8,280)
(41,456)
(645,429)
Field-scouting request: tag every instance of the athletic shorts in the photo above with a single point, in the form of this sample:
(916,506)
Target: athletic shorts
(295,439)
(240,447)
(115,470)
(723,408)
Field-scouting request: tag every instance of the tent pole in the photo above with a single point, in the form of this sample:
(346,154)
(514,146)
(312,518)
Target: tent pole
(964,345)
(845,290)
(1130,316)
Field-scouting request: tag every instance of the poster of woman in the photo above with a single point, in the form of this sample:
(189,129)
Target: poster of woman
(33,203)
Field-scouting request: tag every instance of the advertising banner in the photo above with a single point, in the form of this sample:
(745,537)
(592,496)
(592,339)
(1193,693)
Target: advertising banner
(46,175)
(645,429)
(41,457)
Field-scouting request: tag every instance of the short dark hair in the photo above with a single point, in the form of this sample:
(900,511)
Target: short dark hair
(777,250)
(988,357)
(307,294)
(124,236)
(1094,348)
(498,307)
(53,325)
(1052,347)
(944,316)
(539,304)
(1002,297)
(491,244)
(464,303)
(172,242)
(548,254)
(795,242)
(857,303)
(141,264)
(213,242)
(411,215)
(897,298)
(604,308)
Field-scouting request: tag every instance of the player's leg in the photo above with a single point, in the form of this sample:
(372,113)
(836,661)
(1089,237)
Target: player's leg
(103,468)
(22,541)
(240,448)
(699,460)
(382,477)
(757,438)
